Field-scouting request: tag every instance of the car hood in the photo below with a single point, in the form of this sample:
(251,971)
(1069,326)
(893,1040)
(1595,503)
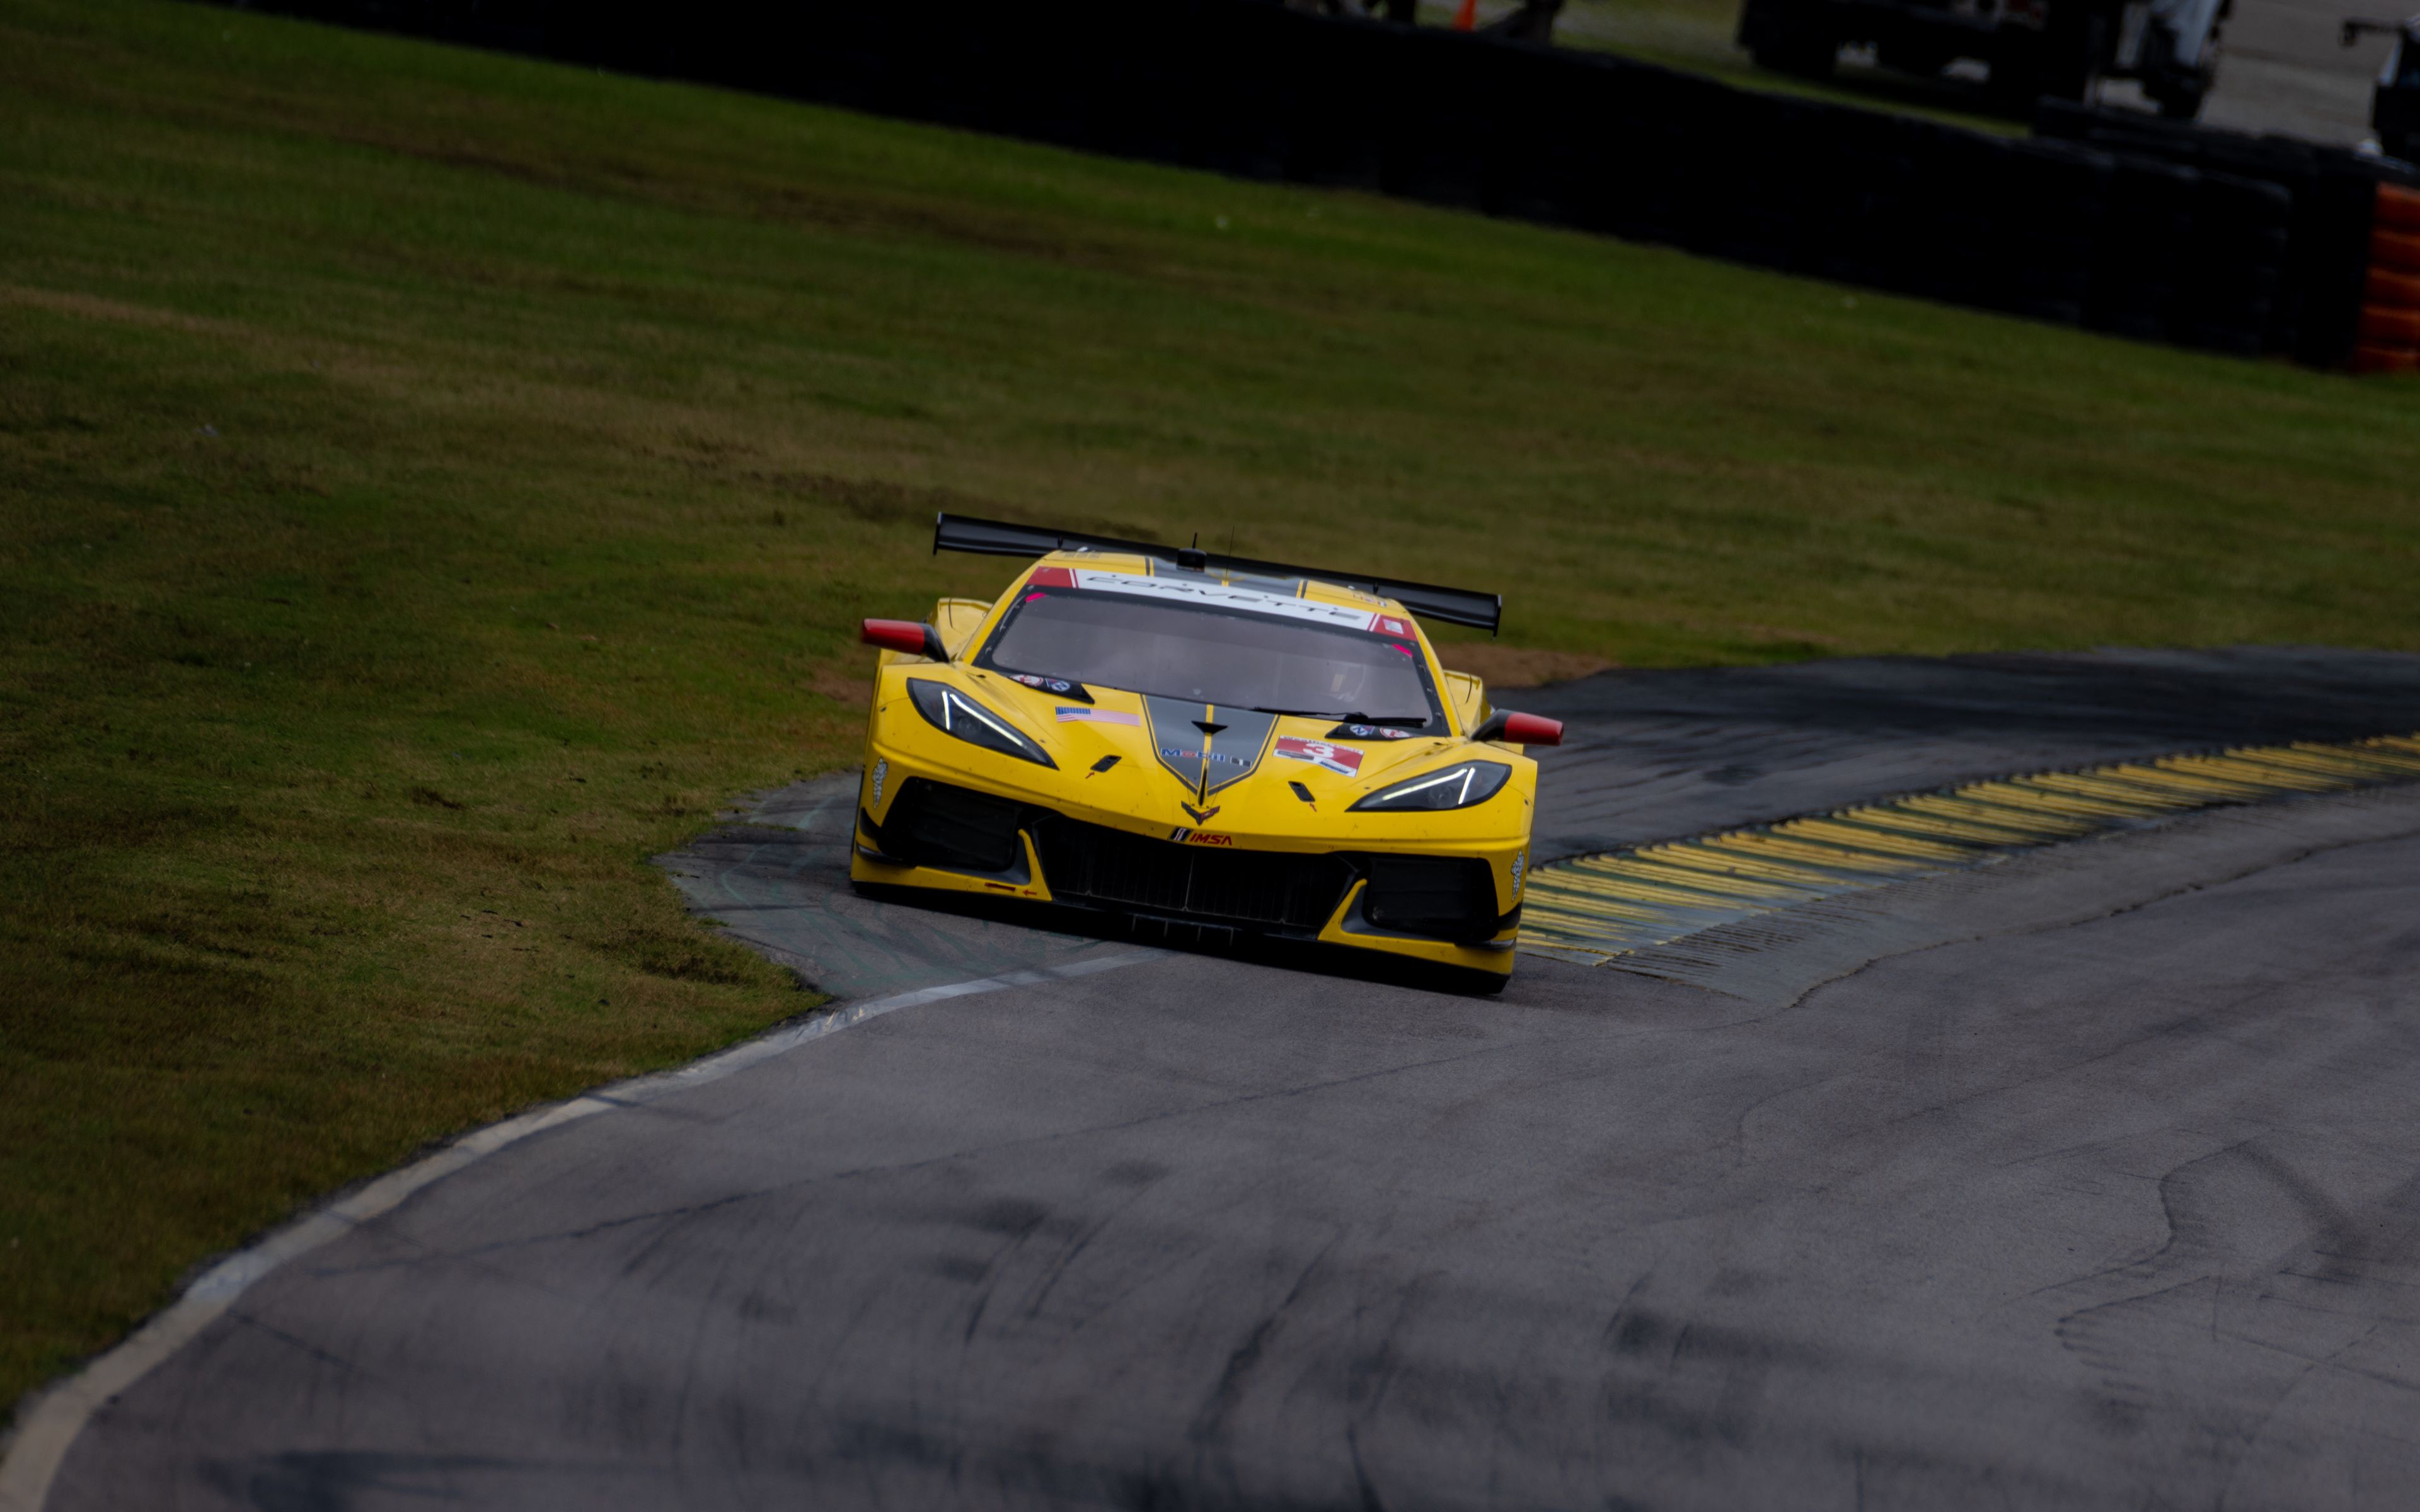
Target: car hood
(1198,764)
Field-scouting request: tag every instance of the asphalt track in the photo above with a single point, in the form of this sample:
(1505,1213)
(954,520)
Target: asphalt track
(2089,1178)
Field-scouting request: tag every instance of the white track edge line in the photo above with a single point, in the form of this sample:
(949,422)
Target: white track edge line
(57,1416)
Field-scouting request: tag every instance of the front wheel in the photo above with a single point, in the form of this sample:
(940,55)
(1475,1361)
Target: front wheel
(2012,88)
(2177,88)
(2073,55)
(1802,57)
(2181,103)
(1924,62)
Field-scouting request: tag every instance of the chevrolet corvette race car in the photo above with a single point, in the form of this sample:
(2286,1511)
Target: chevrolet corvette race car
(1201,744)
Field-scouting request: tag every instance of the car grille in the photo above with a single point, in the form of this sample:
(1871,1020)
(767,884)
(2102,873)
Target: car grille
(1278,888)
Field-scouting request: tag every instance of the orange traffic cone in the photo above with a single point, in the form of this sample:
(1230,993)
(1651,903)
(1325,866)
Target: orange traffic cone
(1466,19)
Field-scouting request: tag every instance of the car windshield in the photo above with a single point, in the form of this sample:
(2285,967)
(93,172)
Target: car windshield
(1216,655)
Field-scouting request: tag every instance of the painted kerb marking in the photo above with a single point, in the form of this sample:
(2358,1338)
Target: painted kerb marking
(51,1422)
(1598,908)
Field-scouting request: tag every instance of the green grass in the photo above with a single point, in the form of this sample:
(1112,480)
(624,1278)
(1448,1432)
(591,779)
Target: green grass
(431,482)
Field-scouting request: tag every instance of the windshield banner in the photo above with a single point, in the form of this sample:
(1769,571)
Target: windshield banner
(1222,595)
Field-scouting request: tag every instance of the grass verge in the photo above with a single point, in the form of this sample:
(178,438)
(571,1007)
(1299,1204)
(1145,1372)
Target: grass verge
(432,482)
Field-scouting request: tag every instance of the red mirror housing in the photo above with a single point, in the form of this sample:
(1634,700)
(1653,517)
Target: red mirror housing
(1520,728)
(1532,729)
(909,636)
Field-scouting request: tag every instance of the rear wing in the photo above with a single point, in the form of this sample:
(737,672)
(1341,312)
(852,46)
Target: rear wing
(992,538)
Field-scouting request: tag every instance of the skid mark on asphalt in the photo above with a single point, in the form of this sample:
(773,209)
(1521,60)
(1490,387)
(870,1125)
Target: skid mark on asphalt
(51,1422)
(1594,909)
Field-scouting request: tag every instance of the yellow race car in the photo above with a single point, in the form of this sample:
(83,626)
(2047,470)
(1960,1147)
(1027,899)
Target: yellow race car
(1203,745)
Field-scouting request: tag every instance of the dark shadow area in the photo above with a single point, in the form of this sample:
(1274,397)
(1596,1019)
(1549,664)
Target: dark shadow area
(2138,699)
(1194,937)
(1917,92)
(1657,755)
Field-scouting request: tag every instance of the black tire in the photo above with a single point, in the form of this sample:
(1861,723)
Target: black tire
(2182,102)
(2071,53)
(1924,62)
(2013,92)
(2074,85)
(2180,93)
(1801,57)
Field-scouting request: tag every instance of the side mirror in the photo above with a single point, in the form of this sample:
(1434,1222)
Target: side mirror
(1520,728)
(910,636)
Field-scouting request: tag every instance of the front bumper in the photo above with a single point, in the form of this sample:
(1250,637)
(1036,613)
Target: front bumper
(1460,909)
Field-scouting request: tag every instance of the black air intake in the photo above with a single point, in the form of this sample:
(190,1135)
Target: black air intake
(1091,863)
(1451,898)
(932,823)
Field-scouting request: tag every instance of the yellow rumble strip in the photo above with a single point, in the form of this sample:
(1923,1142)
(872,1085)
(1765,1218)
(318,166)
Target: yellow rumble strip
(1594,908)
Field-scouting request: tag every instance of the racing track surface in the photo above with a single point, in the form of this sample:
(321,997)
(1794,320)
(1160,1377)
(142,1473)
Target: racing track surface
(2089,1178)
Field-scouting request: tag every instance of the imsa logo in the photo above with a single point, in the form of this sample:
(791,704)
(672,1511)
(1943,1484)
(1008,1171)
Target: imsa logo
(1197,837)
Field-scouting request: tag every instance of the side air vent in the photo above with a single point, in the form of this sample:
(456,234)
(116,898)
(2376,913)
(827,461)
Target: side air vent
(1451,898)
(932,823)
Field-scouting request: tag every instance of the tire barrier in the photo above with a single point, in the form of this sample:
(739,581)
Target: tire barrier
(2121,224)
(2388,337)
(2285,240)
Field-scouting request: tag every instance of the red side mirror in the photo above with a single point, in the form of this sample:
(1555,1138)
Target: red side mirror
(1532,729)
(1520,728)
(910,636)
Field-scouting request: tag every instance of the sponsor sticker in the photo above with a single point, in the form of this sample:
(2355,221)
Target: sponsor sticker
(1196,837)
(1049,685)
(1072,712)
(1373,732)
(1177,754)
(1390,624)
(1344,760)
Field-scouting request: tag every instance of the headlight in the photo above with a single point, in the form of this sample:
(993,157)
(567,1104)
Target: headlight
(971,722)
(1456,787)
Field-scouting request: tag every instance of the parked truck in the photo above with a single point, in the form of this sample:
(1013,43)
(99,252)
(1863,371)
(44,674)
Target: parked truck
(2394,104)
(2030,47)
